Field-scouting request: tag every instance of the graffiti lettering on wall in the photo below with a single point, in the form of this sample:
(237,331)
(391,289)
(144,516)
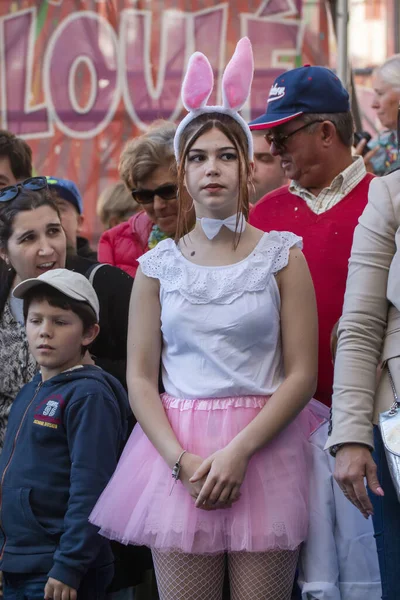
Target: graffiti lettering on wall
(81,77)
(116,64)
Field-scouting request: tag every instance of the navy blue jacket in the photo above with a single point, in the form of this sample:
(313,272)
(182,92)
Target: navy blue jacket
(63,440)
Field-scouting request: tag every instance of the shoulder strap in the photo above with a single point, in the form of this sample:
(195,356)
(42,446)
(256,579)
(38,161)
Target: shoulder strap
(92,270)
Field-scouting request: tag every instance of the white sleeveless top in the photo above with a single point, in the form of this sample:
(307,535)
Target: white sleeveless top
(221,325)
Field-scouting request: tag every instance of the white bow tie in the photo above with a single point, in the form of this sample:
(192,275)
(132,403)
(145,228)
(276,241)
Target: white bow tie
(212,227)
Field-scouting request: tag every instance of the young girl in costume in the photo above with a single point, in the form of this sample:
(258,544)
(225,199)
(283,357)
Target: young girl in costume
(232,312)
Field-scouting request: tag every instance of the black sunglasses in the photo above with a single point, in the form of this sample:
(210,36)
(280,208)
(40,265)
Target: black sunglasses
(279,139)
(33,183)
(166,192)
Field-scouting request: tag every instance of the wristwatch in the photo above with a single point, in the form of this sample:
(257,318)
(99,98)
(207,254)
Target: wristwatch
(334,449)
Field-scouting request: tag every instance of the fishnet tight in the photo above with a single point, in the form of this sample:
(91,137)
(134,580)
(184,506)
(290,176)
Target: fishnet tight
(252,576)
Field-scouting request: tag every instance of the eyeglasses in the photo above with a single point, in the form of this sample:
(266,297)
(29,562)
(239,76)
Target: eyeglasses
(279,140)
(166,192)
(11,191)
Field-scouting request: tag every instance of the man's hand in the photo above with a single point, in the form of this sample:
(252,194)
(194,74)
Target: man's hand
(354,463)
(57,590)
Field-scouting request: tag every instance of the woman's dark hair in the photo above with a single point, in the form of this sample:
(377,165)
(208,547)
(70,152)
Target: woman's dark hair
(18,153)
(26,200)
(235,134)
(59,300)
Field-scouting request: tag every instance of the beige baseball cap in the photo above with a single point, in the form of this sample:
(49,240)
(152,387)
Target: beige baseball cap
(72,284)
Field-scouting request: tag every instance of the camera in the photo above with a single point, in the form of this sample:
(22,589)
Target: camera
(362,135)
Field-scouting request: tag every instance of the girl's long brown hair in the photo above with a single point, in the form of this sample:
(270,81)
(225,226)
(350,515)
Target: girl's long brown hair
(235,134)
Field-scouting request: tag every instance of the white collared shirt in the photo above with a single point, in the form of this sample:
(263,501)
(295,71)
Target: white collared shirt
(339,188)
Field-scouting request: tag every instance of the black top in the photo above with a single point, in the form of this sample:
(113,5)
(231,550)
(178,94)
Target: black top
(83,249)
(113,288)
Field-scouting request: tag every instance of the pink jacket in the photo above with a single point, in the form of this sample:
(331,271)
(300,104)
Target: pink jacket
(122,245)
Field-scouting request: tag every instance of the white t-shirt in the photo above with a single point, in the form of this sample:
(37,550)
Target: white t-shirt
(221,325)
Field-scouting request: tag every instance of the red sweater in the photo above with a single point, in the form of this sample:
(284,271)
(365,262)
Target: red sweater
(327,242)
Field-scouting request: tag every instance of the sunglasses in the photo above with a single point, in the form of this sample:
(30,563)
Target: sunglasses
(279,139)
(33,183)
(166,192)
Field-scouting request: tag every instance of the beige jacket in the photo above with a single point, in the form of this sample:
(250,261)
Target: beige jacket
(369,330)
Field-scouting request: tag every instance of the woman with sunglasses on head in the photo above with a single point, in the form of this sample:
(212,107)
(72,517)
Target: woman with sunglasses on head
(113,286)
(218,464)
(32,241)
(148,168)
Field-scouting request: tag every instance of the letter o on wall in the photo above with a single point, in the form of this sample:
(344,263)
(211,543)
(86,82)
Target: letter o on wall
(82,61)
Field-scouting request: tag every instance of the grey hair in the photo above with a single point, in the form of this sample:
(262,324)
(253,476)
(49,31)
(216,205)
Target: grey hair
(343,122)
(390,71)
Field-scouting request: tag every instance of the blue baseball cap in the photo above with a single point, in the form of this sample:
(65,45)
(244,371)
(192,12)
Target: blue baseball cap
(301,91)
(67,190)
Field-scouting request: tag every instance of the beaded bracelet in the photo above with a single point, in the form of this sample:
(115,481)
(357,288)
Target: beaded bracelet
(176,470)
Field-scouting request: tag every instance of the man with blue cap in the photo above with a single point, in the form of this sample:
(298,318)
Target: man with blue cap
(309,126)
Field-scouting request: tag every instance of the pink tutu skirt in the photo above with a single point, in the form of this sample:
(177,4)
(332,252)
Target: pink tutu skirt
(272,513)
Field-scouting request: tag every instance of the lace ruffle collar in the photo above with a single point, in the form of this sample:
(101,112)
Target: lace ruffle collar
(222,284)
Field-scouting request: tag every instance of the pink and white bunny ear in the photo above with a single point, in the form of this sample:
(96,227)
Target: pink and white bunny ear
(198,83)
(238,75)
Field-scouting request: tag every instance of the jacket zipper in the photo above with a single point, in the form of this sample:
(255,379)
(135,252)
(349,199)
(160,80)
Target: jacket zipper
(9,462)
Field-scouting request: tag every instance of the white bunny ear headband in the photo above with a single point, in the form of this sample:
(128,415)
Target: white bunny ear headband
(236,83)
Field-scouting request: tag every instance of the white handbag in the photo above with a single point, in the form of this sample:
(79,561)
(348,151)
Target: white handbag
(389,424)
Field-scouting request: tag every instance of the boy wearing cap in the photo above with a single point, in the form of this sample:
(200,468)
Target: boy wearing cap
(309,126)
(65,432)
(70,205)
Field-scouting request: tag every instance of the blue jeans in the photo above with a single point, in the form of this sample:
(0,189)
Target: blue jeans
(23,587)
(26,586)
(386,521)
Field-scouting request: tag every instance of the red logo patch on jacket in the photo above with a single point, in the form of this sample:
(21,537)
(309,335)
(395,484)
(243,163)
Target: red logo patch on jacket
(49,412)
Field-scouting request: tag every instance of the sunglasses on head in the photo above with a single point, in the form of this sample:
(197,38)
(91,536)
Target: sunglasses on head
(166,192)
(11,191)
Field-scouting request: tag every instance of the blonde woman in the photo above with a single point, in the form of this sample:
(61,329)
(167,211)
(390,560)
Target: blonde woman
(148,169)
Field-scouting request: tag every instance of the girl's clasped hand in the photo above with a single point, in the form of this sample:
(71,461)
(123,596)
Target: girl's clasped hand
(216,480)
